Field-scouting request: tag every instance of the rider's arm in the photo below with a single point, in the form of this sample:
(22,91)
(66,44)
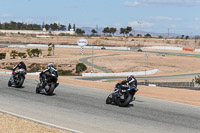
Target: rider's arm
(44,71)
(123,82)
(15,67)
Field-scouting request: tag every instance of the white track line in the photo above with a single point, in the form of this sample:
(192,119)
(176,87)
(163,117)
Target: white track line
(40,122)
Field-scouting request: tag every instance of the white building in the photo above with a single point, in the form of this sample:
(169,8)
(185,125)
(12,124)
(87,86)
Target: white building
(37,32)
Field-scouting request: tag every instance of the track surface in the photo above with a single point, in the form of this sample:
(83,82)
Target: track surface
(84,109)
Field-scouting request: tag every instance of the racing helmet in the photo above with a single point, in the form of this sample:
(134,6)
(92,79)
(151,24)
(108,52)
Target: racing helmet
(50,65)
(130,77)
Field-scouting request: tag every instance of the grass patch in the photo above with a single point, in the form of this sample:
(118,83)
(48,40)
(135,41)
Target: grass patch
(109,81)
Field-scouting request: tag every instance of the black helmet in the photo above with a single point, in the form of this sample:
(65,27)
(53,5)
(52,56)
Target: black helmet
(130,77)
(21,62)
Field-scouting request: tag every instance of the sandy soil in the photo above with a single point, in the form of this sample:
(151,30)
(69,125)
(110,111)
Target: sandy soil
(102,41)
(10,124)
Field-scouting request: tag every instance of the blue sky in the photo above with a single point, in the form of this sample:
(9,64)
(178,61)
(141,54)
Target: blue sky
(180,16)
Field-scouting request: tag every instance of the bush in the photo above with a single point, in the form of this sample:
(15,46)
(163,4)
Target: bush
(29,52)
(196,80)
(34,52)
(2,56)
(13,53)
(80,67)
(22,55)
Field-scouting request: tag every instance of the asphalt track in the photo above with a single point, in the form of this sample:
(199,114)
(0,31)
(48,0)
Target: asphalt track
(84,109)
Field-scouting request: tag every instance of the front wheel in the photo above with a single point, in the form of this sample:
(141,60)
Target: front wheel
(126,101)
(37,88)
(109,99)
(20,82)
(51,89)
(9,83)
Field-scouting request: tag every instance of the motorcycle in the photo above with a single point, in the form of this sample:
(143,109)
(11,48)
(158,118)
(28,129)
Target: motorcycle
(19,77)
(51,84)
(122,95)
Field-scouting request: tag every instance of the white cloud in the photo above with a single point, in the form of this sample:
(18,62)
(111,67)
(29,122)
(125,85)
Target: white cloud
(162,18)
(196,19)
(5,15)
(173,26)
(163,3)
(140,24)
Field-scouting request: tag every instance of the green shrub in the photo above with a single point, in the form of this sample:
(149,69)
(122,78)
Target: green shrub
(22,55)
(13,53)
(34,52)
(196,80)
(29,52)
(2,56)
(80,67)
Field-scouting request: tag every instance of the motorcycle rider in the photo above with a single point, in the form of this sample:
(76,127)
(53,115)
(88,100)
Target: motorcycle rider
(21,65)
(130,83)
(46,73)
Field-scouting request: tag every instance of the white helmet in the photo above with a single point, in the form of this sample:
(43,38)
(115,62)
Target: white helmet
(50,65)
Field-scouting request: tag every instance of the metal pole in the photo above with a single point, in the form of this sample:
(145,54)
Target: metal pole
(92,60)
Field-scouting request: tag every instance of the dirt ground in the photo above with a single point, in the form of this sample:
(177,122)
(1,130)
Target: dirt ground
(11,124)
(101,41)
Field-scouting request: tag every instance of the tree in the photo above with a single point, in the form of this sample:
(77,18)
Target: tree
(47,27)
(122,31)
(74,27)
(80,67)
(62,27)
(69,27)
(147,35)
(106,30)
(80,31)
(128,30)
(93,31)
(187,37)
(54,26)
(113,30)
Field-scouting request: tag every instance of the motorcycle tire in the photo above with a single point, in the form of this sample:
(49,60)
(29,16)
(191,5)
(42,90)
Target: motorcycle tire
(51,89)
(37,90)
(9,83)
(109,99)
(21,81)
(125,103)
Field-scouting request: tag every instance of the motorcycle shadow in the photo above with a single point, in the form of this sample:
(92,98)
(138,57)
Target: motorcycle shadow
(47,94)
(130,105)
